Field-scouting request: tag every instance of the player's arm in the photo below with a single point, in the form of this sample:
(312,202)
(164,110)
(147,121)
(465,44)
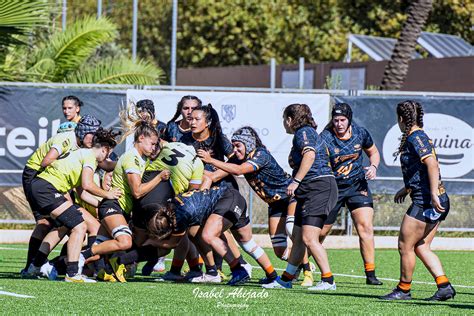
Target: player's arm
(140,189)
(374,158)
(90,186)
(433,177)
(231,168)
(51,156)
(87,197)
(308,159)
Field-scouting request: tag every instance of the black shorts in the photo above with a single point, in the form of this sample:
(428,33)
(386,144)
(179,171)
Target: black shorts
(315,199)
(233,207)
(420,210)
(353,196)
(280,208)
(111,207)
(46,196)
(26,179)
(159,195)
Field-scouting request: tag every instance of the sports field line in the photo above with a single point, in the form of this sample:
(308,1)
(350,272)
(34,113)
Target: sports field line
(15,294)
(336,274)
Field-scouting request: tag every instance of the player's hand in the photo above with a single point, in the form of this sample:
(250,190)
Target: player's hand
(436,203)
(400,195)
(114,194)
(204,155)
(370,172)
(165,174)
(290,190)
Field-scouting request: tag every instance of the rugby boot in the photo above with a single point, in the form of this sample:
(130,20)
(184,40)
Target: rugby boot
(323,286)
(119,270)
(396,294)
(278,283)
(372,280)
(443,294)
(239,277)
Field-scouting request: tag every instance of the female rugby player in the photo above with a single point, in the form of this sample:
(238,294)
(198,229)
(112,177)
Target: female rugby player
(176,129)
(430,204)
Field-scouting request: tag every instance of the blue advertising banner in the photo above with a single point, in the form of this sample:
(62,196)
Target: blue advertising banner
(447,121)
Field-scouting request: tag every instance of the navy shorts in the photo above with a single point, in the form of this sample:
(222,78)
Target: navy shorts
(314,200)
(279,208)
(353,196)
(421,210)
(233,207)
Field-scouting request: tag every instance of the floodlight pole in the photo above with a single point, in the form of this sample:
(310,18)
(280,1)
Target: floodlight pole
(272,73)
(301,73)
(134,30)
(173,42)
(64,13)
(349,51)
(99,9)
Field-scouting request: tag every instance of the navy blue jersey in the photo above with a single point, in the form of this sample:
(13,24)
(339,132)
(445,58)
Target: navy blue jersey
(346,154)
(268,180)
(161,128)
(418,146)
(306,138)
(194,207)
(174,132)
(217,152)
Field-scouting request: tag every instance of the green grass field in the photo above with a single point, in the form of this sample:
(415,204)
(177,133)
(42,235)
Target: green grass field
(142,295)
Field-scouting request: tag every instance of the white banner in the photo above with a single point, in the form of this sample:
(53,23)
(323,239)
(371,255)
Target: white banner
(262,111)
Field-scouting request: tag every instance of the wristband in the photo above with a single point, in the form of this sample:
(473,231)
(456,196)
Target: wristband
(375,167)
(297,180)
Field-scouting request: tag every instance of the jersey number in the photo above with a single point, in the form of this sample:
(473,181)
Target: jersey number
(172,160)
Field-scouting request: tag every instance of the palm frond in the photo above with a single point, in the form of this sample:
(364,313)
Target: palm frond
(68,50)
(121,71)
(21,14)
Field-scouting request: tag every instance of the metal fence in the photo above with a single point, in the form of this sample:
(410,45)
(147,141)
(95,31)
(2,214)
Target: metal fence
(256,208)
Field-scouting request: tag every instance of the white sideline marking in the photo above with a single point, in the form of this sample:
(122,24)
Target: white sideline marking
(15,294)
(279,269)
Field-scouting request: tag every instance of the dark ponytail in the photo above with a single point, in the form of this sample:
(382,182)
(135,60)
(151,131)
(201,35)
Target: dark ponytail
(411,113)
(180,104)
(163,223)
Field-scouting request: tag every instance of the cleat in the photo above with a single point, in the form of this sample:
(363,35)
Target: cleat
(206,278)
(312,267)
(223,276)
(192,274)
(47,270)
(323,286)
(119,270)
(278,283)
(78,278)
(24,274)
(239,277)
(160,265)
(33,271)
(443,294)
(266,280)
(396,294)
(105,277)
(169,276)
(372,280)
(248,268)
(308,279)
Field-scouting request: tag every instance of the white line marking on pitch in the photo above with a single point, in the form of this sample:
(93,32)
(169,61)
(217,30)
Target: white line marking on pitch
(15,294)
(337,274)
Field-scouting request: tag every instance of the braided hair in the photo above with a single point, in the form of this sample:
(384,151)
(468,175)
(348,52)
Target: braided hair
(74,99)
(411,113)
(132,122)
(300,116)
(105,137)
(249,130)
(162,224)
(181,103)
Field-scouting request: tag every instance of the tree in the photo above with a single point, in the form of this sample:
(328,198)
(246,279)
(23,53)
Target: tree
(397,67)
(69,56)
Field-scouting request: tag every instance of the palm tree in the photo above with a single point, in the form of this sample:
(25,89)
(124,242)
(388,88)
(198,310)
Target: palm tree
(65,56)
(397,68)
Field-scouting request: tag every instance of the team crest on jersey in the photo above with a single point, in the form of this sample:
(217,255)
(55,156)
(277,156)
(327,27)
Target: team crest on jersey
(137,162)
(337,151)
(364,193)
(357,146)
(228,112)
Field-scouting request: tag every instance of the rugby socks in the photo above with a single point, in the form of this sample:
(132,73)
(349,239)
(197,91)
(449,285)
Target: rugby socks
(64,250)
(235,265)
(40,259)
(369,269)
(194,264)
(305,266)
(211,270)
(270,272)
(218,260)
(442,281)
(176,266)
(72,268)
(289,273)
(33,247)
(404,286)
(128,257)
(242,260)
(327,277)
(87,253)
(91,241)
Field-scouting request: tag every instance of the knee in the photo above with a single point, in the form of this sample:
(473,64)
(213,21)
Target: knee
(421,249)
(124,243)
(365,231)
(404,247)
(80,228)
(310,241)
(207,237)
